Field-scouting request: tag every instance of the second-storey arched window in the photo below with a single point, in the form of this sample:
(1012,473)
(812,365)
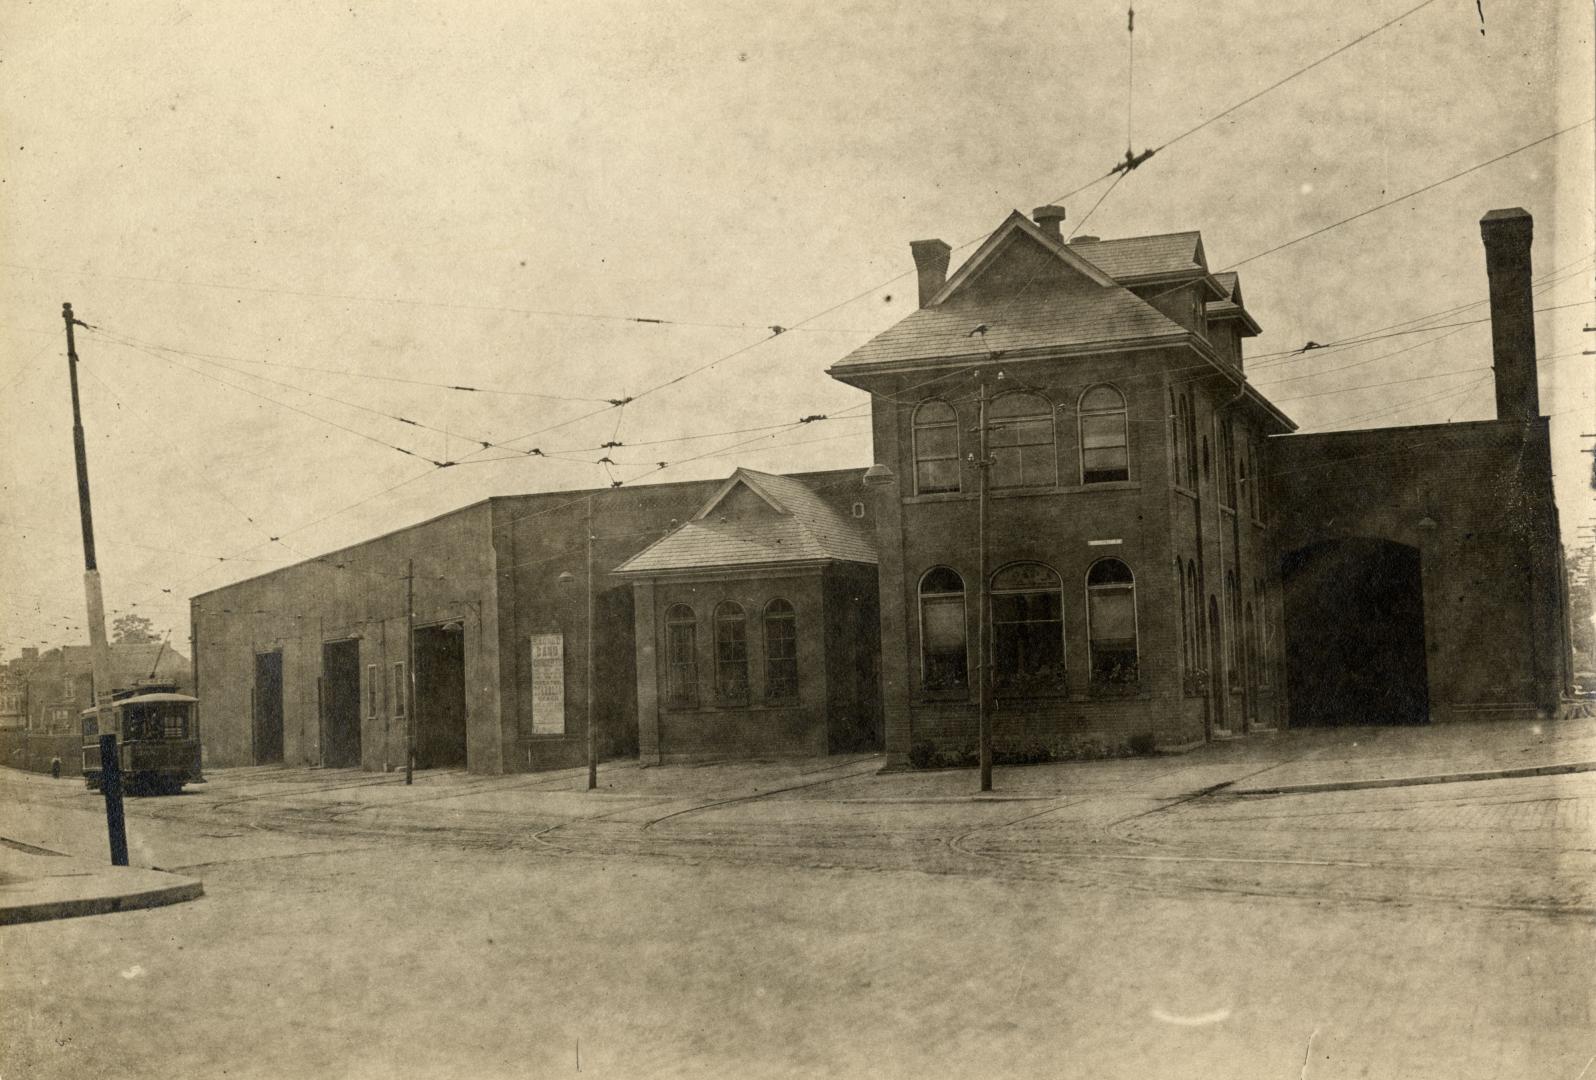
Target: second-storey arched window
(731,652)
(781,651)
(681,656)
(1111,623)
(1028,628)
(1105,444)
(944,655)
(1020,441)
(936,448)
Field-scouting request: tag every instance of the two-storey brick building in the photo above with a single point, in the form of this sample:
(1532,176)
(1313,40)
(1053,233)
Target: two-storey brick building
(1075,491)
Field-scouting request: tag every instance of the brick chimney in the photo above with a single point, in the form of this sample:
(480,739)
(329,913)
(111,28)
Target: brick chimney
(1050,219)
(931,263)
(1507,236)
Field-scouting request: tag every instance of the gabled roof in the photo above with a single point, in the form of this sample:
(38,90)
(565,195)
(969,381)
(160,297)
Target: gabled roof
(1232,307)
(799,527)
(1082,311)
(1039,322)
(986,254)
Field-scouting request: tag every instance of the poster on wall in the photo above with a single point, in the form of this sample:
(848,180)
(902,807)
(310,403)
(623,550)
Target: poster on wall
(548,684)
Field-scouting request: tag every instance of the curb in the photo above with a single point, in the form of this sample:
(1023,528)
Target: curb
(43,911)
(1416,781)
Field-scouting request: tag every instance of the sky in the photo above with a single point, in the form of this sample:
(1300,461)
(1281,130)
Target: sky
(289,225)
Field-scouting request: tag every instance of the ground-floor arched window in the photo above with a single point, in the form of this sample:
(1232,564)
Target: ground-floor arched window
(1028,628)
(1111,623)
(731,653)
(681,656)
(944,650)
(781,651)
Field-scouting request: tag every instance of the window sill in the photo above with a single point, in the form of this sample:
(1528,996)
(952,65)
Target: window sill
(1101,692)
(1025,493)
(1001,696)
(1182,489)
(943,697)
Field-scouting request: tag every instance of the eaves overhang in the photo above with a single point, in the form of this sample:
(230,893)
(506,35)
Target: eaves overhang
(740,570)
(1212,287)
(988,356)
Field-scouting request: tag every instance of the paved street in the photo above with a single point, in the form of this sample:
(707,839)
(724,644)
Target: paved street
(814,918)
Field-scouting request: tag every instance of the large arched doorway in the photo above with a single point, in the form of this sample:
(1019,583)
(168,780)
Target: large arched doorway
(1355,633)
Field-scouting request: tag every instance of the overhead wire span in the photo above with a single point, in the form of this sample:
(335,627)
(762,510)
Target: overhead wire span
(286,405)
(418,302)
(1411,194)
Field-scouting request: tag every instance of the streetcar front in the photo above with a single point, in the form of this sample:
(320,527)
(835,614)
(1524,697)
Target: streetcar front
(158,746)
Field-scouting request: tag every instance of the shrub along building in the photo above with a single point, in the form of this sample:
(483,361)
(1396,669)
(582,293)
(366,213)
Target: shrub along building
(1164,561)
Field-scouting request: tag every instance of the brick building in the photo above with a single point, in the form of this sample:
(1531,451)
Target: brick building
(1164,560)
(43,693)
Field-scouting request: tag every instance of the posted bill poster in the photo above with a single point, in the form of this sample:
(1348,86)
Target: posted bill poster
(548,684)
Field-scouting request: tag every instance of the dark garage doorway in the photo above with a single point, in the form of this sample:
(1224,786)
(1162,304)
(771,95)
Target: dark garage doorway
(340,704)
(268,720)
(1355,634)
(440,696)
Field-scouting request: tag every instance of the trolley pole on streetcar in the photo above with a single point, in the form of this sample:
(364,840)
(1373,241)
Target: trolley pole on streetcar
(983,667)
(99,649)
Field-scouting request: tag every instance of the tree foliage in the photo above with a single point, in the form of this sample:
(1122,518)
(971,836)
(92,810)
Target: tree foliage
(133,630)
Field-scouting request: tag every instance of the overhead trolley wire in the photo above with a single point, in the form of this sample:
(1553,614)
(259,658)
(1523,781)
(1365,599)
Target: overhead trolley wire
(1249,99)
(417,302)
(1411,194)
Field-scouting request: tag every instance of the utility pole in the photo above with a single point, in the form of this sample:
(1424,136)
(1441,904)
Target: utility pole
(410,670)
(99,650)
(592,748)
(983,465)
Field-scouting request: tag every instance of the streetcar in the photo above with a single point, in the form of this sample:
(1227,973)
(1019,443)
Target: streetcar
(157,740)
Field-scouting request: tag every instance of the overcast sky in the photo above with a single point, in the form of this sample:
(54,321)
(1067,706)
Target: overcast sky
(414,191)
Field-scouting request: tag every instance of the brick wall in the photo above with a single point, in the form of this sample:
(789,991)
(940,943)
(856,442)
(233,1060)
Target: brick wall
(1475,500)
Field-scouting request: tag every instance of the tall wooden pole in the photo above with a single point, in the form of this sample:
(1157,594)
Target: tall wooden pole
(592,748)
(99,648)
(983,665)
(410,670)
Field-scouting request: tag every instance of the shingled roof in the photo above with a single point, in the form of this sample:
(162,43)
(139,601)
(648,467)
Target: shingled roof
(1047,320)
(1140,257)
(1231,307)
(799,527)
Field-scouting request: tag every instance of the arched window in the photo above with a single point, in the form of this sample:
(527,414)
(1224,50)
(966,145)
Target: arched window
(1111,623)
(944,655)
(1020,440)
(1105,446)
(1189,423)
(1199,639)
(1028,628)
(936,448)
(1237,628)
(1185,618)
(681,657)
(1227,465)
(781,651)
(731,653)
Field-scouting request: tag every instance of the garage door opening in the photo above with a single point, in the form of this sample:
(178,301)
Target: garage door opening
(440,696)
(268,730)
(1355,634)
(340,704)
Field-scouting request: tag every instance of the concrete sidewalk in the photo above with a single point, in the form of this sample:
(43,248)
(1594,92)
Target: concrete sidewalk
(37,884)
